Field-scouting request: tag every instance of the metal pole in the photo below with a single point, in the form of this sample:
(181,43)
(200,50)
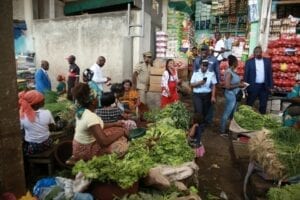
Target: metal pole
(143,17)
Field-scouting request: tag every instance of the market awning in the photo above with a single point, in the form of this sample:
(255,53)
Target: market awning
(86,5)
(181,6)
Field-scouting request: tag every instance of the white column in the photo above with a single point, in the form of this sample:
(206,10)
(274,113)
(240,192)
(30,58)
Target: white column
(51,9)
(164,15)
(28,12)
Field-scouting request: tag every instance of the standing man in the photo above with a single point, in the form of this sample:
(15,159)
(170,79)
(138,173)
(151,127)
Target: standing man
(258,73)
(141,76)
(99,77)
(219,47)
(191,60)
(213,66)
(228,42)
(42,81)
(73,77)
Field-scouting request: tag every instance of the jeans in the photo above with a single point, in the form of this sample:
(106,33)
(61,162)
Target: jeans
(230,106)
(210,115)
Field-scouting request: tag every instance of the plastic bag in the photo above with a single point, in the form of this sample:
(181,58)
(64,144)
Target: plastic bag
(45,182)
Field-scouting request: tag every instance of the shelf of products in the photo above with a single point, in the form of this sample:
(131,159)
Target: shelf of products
(282,26)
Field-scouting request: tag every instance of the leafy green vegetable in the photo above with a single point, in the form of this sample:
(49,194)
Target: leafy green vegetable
(248,119)
(287,147)
(289,192)
(176,111)
(51,97)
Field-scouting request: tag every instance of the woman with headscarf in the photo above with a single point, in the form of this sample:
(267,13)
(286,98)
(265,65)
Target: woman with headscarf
(87,77)
(90,139)
(35,121)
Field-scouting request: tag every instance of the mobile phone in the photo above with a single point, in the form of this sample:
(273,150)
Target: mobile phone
(205,79)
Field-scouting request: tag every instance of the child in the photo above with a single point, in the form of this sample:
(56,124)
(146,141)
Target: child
(195,133)
(111,114)
(169,83)
(61,87)
(130,98)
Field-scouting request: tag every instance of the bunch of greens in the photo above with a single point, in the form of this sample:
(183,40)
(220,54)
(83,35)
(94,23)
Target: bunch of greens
(289,192)
(161,145)
(176,111)
(248,119)
(51,97)
(287,147)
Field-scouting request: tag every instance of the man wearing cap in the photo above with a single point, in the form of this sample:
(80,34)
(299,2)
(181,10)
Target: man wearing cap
(42,80)
(73,77)
(204,90)
(141,76)
(99,77)
(213,66)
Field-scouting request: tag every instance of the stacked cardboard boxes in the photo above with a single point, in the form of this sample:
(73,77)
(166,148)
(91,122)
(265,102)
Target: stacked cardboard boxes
(155,78)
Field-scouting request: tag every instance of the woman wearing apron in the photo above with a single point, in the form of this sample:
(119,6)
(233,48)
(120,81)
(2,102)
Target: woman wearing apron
(169,83)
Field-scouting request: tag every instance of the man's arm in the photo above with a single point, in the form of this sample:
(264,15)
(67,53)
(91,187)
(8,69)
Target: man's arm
(134,78)
(216,68)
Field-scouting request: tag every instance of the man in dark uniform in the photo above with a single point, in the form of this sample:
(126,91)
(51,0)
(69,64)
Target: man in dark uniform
(73,77)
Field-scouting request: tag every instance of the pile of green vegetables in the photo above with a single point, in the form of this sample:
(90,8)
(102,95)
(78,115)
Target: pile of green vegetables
(289,192)
(287,146)
(177,112)
(162,144)
(248,119)
(59,106)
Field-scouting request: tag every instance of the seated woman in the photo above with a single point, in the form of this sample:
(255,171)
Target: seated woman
(61,86)
(130,98)
(291,116)
(90,139)
(112,114)
(35,121)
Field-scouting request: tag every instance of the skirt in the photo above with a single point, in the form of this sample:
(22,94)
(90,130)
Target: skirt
(31,148)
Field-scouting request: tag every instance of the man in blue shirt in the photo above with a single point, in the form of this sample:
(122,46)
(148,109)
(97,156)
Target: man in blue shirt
(213,66)
(42,81)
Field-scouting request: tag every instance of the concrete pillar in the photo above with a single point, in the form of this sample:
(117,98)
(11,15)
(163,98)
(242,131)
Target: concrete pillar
(164,15)
(28,12)
(51,9)
(11,160)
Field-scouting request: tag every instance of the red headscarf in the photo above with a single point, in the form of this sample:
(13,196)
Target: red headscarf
(26,100)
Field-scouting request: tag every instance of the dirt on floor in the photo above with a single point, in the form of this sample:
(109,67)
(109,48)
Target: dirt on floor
(219,174)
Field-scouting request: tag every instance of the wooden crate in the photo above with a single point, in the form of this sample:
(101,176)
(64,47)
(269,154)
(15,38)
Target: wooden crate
(155,79)
(155,87)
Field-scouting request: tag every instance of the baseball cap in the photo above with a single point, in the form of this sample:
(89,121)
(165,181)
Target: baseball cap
(147,54)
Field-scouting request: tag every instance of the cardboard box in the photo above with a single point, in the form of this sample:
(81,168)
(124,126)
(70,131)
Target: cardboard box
(155,79)
(155,88)
(157,71)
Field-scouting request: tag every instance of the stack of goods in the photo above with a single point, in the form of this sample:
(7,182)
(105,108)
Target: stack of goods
(239,69)
(242,7)
(161,44)
(202,16)
(220,7)
(163,144)
(285,62)
(25,71)
(174,31)
(155,75)
(232,7)
(187,34)
(282,26)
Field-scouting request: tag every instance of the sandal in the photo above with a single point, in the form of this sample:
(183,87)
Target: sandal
(71,161)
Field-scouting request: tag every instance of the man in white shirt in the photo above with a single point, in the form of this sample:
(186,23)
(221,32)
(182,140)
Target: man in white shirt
(99,77)
(258,73)
(219,47)
(228,42)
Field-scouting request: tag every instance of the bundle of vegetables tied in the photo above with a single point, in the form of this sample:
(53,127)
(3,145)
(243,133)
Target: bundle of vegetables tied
(250,120)
(162,144)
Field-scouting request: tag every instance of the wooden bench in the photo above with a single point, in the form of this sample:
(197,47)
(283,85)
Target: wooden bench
(46,157)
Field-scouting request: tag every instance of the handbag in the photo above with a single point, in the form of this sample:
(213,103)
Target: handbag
(239,96)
